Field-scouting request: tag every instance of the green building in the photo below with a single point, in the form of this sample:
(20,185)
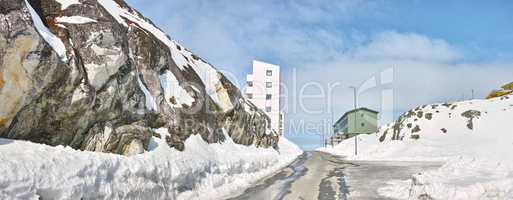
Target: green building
(355,122)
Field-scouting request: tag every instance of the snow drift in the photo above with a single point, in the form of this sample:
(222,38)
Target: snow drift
(474,138)
(202,171)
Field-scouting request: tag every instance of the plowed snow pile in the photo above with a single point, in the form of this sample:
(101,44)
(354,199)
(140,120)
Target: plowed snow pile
(202,171)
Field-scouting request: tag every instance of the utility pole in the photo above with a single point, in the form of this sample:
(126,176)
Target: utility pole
(354,122)
(472,94)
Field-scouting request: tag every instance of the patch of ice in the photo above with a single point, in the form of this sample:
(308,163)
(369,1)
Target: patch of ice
(172,89)
(52,40)
(74,20)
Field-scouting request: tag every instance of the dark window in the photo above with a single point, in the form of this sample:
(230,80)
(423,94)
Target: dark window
(268,97)
(269,72)
(268,109)
(363,124)
(268,84)
(250,96)
(250,83)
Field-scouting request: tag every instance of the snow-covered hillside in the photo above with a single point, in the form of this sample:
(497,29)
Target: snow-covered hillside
(202,171)
(474,139)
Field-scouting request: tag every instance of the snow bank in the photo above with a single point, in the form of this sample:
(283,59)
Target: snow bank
(474,139)
(460,179)
(202,171)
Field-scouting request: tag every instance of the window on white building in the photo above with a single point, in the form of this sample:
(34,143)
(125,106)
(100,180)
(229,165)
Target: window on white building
(268,96)
(268,84)
(269,72)
(268,109)
(250,96)
(250,83)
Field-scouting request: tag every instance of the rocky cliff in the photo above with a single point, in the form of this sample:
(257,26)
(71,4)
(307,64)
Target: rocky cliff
(98,76)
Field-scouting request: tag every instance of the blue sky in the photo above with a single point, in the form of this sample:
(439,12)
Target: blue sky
(441,50)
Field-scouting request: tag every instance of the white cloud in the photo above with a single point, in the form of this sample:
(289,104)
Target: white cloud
(392,45)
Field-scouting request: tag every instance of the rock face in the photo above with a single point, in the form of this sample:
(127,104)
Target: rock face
(503,92)
(97,76)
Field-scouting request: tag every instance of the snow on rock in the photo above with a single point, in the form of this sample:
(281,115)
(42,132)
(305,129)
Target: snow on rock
(474,138)
(74,19)
(54,41)
(202,171)
(213,86)
(66,3)
(115,10)
(183,58)
(151,104)
(175,95)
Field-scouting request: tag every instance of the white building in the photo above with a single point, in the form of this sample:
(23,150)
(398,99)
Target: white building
(263,90)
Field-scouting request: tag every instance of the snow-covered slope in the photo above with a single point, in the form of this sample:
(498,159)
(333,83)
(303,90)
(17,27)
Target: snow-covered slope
(438,132)
(474,139)
(202,171)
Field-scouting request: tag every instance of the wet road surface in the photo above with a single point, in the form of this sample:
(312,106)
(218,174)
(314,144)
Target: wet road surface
(318,175)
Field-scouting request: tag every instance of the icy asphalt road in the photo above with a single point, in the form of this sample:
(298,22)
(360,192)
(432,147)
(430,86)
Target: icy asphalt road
(318,175)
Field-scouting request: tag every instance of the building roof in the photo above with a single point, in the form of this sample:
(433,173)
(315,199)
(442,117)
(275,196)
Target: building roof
(356,110)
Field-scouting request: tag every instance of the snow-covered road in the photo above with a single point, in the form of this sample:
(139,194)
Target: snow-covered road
(318,175)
